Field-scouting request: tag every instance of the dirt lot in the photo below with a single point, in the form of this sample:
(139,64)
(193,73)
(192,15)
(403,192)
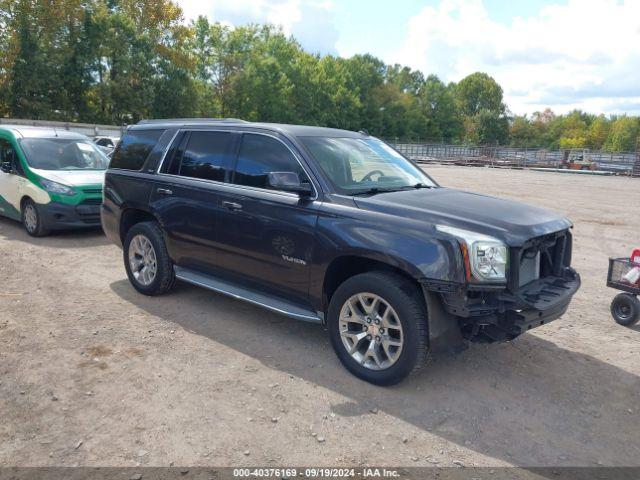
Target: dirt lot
(92,373)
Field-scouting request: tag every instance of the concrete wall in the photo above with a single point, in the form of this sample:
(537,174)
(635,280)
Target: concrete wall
(91,130)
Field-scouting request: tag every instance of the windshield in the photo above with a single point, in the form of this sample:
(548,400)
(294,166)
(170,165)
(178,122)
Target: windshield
(364,165)
(63,154)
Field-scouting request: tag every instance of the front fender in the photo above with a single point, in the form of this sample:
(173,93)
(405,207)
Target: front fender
(415,249)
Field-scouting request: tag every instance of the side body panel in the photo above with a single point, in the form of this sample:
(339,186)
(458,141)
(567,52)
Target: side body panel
(268,239)
(123,190)
(188,215)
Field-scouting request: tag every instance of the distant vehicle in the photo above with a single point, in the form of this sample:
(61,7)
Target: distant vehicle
(50,179)
(107,142)
(578,159)
(333,227)
(108,151)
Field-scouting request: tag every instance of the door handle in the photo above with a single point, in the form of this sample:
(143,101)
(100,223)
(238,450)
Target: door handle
(232,205)
(164,191)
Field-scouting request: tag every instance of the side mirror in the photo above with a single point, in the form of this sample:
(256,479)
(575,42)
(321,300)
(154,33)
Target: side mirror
(289,182)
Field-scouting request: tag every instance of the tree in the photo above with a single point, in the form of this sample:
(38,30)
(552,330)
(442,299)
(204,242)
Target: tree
(442,117)
(574,131)
(478,92)
(522,132)
(118,61)
(597,133)
(486,128)
(623,136)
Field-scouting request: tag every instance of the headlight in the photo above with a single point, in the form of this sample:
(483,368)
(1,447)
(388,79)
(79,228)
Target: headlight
(488,256)
(55,187)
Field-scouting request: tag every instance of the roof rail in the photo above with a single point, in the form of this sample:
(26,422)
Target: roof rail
(191,120)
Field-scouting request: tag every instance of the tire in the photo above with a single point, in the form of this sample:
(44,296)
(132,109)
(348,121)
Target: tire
(409,326)
(148,282)
(32,219)
(625,309)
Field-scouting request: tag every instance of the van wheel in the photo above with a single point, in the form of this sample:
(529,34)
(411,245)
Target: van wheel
(32,220)
(378,327)
(146,260)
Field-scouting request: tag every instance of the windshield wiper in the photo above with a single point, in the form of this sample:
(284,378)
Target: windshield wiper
(374,190)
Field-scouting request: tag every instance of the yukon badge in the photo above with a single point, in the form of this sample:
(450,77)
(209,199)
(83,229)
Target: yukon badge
(299,261)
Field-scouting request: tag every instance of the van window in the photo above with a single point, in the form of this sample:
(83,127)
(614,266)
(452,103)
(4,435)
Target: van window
(206,155)
(105,142)
(8,154)
(259,155)
(134,148)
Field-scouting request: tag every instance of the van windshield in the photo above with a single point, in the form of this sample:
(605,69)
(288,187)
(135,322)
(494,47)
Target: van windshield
(364,165)
(63,154)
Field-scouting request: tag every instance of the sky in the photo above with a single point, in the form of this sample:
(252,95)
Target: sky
(561,54)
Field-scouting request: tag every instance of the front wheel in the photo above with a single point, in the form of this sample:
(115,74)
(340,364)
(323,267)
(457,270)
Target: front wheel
(625,309)
(32,220)
(378,327)
(146,259)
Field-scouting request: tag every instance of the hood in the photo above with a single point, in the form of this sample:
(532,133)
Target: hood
(72,178)
(508,220)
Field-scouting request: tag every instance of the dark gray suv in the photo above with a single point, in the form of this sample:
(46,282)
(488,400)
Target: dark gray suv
(334,227)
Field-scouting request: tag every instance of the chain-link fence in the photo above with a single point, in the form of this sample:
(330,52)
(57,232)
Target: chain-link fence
(498,156)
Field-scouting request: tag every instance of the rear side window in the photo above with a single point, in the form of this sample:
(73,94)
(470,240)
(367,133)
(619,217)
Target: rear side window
(259,155)
(134,148)
(8,154)
(207,155)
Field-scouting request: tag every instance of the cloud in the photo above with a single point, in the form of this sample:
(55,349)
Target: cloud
(582,54)
(309,21)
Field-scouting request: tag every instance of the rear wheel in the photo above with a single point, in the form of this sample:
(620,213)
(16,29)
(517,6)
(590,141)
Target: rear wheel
(32,220)
(146,259)
(378,327)
(625,309)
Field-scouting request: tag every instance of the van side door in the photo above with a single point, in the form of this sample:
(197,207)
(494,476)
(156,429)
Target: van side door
(12,178)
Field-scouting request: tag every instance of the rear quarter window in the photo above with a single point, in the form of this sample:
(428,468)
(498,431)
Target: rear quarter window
(134,148)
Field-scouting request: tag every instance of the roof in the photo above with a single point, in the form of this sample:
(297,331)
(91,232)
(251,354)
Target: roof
(26,131)
(293,130)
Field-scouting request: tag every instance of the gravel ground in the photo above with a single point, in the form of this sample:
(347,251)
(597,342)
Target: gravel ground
(92,373)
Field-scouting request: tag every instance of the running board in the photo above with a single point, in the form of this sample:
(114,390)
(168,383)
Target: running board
(240,293)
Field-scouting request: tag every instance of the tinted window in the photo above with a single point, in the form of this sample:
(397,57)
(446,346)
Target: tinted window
(135,147)
(206,155)
(173,157)
(260,155)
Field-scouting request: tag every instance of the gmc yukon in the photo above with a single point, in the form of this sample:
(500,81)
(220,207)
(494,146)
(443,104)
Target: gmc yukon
(334,227)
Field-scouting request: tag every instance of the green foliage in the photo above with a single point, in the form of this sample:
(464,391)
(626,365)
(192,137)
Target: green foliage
(478,92)
(118,61)
(624,135)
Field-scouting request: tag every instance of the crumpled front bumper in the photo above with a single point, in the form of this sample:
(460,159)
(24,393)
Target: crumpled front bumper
(501,315)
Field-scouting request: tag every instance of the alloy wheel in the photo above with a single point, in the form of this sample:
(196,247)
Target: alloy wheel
(371,331)
(142,260)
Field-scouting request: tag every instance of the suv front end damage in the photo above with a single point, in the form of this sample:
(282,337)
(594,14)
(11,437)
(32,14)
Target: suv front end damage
(540,284)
